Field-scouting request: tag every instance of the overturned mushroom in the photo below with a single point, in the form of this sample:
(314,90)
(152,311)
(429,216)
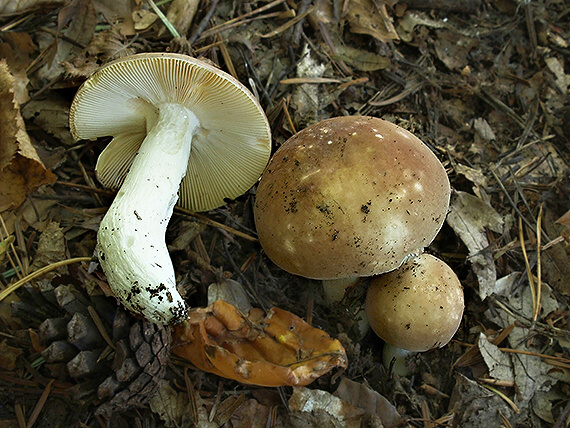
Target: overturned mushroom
(183,132)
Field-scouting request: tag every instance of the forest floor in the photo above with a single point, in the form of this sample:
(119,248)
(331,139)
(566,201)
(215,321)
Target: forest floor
(483,82)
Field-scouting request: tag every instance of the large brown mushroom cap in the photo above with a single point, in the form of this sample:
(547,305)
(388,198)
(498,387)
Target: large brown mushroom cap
(418,306)
(350,196)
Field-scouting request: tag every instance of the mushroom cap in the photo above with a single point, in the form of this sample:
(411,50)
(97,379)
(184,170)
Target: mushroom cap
(350,196)
(418,306)
(229,150)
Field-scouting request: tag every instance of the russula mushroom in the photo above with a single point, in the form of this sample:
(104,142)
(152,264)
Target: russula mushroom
(350,196)
(417,307)
(183,132)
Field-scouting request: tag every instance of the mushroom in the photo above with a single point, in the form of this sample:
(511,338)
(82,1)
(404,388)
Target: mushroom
(416,307)
(350,196)
(183,132)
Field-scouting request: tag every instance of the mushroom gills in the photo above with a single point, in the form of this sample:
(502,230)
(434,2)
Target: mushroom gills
(131,237)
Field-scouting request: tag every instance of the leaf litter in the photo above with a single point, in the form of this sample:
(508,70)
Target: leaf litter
(484,83)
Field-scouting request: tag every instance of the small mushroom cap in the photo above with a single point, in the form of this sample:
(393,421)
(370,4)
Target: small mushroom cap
(350,196)
(230,149)
(418,306)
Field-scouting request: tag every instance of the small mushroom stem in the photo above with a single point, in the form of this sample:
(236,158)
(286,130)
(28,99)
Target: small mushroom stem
(131,238)
(394,358)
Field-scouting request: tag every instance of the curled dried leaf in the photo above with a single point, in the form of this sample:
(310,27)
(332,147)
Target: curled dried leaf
(21,169)
(273,349)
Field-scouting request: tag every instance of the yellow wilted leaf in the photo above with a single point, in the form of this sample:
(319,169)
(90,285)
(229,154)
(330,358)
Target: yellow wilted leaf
(273,349)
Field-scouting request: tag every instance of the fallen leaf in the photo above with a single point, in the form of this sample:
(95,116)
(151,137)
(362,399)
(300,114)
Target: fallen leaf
(499,364)
(475,406)
(21,170)
(118,13)
(555,259)
(51,248)
(16,49)
(469,216)
(453,53)
(411,20)
(52,116)
(82,20)
(562,80)
(365,18)
(361,59)
(317,408)
(530,372)
(170,405)
(370,401)
(251,414)
(143,19)
(230,291)
(275,349)
(306,102)
(8,7)
(8,356)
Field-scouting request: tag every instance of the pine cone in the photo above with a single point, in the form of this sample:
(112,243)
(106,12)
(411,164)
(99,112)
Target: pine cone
(114,374)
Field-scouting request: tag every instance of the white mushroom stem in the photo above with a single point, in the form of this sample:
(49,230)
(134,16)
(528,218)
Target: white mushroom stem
(394,358)
(131,238)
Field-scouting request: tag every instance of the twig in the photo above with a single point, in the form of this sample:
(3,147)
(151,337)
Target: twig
(562,419)
(508,196)
(203,23)
(19,269)
(529,274)
(302,8)
(40,405)
(99,324)
(164,19)
(542,328)
(503,396)
(13,287)
(236,21)
(288,24)
(20,415)
(531,28)
(538,263)
(411,87)
(214,223)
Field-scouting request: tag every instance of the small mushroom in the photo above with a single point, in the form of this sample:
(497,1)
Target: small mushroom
(416,307)
(350,196)
(183,132)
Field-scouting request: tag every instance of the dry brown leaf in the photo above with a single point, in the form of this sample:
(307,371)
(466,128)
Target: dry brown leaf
(82,20)
(8,7)
(21,170)
(16,49)
(119,13)
(51,249)
(361,59)
(452,53)
(317,408)
(8,356)
(370,401)
(276,349)
(365,18)
(51,115)
(251,414)
(555,259)
(143,19)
